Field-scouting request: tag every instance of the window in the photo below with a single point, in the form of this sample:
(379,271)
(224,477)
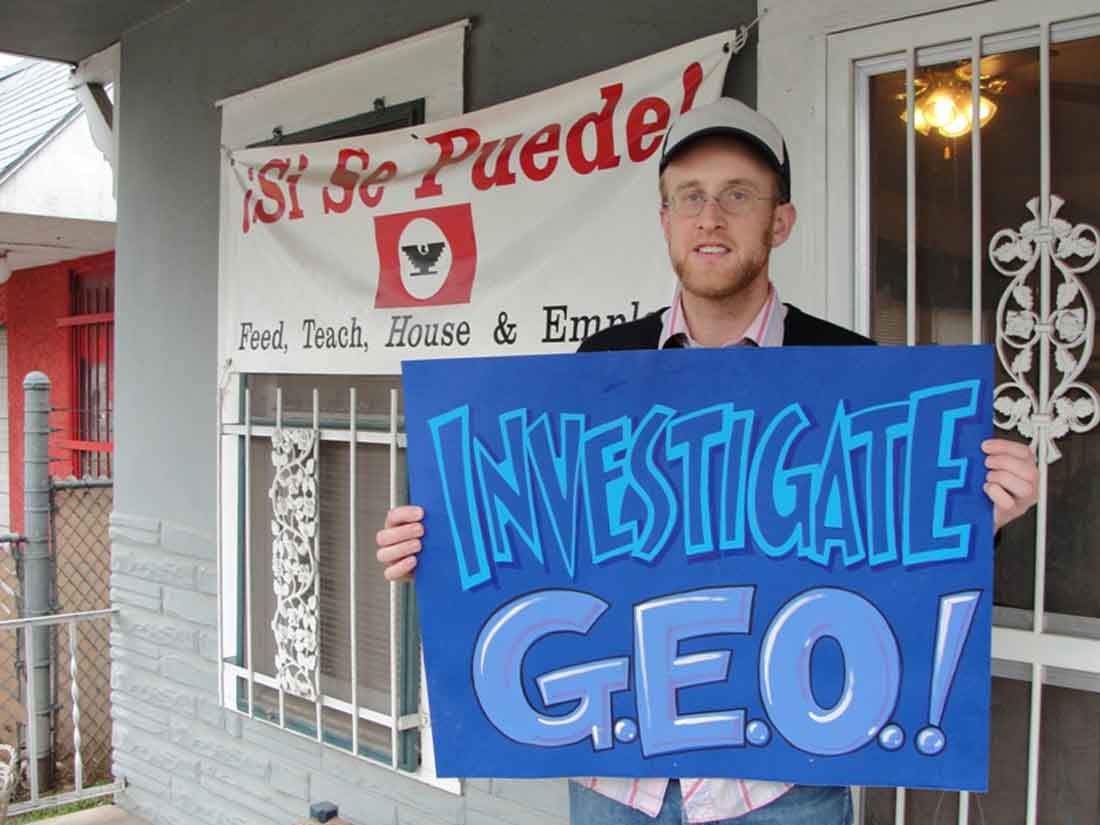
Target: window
(92,326)
(326,647)
(313,639)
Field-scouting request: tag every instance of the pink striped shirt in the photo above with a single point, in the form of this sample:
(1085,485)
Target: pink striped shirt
(765,330)
(705,800)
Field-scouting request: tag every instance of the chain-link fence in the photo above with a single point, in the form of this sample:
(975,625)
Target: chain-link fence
(55,663)
(80,557)
(12,713)
(82,560)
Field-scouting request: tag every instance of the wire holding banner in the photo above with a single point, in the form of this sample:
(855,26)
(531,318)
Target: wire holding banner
(741,36)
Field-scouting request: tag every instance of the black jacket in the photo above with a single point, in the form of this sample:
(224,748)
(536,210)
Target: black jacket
(799,330)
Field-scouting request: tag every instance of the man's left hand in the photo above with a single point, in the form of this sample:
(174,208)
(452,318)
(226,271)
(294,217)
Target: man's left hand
(1011,480)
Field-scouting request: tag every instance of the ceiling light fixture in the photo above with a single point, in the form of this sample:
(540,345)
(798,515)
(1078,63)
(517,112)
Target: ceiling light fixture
(945,104)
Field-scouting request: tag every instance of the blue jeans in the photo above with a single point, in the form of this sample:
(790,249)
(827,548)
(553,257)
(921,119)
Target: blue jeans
(801,805)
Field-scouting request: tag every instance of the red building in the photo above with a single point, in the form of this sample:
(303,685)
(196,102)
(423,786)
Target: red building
(60,320)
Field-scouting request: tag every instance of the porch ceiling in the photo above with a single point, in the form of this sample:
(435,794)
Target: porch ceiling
(70,30)
(35,240)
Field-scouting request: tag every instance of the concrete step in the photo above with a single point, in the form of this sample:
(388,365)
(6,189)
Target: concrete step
(103,815)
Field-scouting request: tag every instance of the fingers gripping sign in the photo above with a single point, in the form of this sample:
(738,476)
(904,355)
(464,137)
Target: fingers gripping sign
(399,541)
(1012,479)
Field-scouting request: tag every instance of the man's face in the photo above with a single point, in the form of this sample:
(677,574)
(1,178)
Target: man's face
(717,255)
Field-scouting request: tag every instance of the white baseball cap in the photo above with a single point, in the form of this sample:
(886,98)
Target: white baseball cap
(727,116)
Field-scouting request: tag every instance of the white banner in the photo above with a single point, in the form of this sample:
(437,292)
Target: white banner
(518,229)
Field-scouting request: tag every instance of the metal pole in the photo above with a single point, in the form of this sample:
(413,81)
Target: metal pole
(36,558)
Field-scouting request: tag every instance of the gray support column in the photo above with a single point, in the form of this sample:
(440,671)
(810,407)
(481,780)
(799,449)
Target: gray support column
(37,569)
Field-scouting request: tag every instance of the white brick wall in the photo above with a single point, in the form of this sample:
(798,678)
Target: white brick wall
(187,760)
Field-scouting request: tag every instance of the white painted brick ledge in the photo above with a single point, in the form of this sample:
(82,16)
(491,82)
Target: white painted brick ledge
(175,538)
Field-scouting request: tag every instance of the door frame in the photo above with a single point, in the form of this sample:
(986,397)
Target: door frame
(814,59)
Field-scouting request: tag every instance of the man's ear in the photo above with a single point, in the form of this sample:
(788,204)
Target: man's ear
(664,222)
(783,220)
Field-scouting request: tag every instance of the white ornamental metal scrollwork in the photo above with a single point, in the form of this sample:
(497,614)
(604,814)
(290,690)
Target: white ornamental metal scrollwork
(294,560)
(1071,405)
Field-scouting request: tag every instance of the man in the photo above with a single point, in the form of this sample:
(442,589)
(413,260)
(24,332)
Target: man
(725,194)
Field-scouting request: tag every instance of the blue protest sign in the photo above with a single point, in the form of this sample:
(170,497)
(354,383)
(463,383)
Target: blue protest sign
(754,563)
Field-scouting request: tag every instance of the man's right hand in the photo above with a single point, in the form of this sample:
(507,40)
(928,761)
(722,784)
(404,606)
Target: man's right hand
(399,541)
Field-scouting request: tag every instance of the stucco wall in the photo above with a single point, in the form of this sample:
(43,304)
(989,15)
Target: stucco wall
(175,68)
(186,759)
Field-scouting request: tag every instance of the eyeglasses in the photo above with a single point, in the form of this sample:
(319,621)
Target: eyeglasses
(734,201)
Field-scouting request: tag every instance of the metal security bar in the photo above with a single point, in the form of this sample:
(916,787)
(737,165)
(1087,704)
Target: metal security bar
(353,618)
(30,628)
(298,695)
(1034,654)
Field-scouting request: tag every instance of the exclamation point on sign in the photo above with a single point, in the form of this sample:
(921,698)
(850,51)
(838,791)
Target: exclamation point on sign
(956,615)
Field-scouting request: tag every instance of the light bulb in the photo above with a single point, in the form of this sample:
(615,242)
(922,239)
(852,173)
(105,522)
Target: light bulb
(957,127)
(919,121)
(940,109)
(986,109)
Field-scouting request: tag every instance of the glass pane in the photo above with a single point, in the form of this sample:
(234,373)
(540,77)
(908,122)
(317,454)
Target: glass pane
(337,728)
(241,684)
(1006,801)
(301,717)
(1010,176)
(1073,553)
(920,807)
(261,597)
(373,399)
(372,590)
(943,200)
(372,594)
(878,806)
(374,741)
(943,205)
(1069,756)
(301,714)
(267,703)
(887,212)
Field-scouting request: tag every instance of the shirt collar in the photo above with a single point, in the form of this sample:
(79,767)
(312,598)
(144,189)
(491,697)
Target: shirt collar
(765,330)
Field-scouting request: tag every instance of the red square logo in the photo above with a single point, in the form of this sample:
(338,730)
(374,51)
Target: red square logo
(427,257)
